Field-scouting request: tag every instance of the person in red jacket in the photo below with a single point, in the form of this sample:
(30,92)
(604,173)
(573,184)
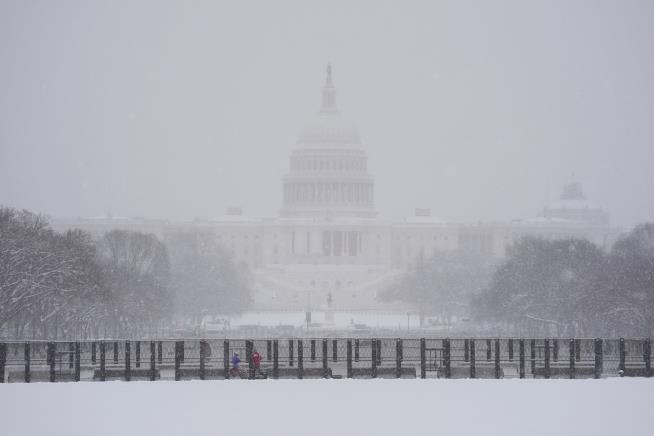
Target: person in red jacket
(256,360)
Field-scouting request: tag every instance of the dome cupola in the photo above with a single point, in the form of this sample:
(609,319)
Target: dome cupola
(329,128)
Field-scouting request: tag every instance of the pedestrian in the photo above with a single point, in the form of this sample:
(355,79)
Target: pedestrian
(256,360)
(235,371)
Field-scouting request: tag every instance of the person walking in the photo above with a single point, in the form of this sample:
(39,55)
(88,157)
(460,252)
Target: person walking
(256,360)
(235,371)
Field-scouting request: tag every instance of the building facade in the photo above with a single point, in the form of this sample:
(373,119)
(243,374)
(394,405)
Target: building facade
(328,247)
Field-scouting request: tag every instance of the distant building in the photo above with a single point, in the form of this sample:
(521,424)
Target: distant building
(327,240)
(573,206)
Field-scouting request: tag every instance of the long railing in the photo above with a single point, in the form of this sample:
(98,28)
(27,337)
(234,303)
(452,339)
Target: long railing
(206,359)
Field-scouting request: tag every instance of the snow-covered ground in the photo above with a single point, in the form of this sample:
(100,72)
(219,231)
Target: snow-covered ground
(331,407)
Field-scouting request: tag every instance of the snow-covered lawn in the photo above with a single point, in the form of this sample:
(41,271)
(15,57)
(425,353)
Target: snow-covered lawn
(330,407)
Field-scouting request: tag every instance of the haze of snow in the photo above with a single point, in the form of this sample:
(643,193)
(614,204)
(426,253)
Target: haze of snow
(330,407)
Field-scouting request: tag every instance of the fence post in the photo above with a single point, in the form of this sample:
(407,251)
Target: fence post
(647,357)
(546,345)
(349,358)
(510,349)
(275,359)
(3,361)
(50,353)
(290,352)
(598,358)
(521,345)
(578,350)
(93,352)
(532,348)
(379,352)
(178,360)
(249,346)
(269,350)
(226,359)
(153,361)
(572,358)
(374,344)
(160,352)
(313,350)
(71,351)
(621,365)
(128,363)
(78,359)
(398,358)
(27,362)
(466,351)
(300,359)
(423,358)
(103,358)
(335,350)
(555,350)
(138,354)
(498,369)
(115,352)
(488,349)
(356,350)
(473,370)
(447,358)
(203,350)
(325,373)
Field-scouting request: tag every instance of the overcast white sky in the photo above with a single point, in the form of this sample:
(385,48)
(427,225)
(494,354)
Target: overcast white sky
(479,110)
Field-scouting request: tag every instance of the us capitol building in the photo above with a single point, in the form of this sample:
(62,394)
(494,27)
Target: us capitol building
(327,244)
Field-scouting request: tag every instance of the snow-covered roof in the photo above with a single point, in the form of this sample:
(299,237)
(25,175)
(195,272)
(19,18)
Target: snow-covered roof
(236,219)
(544,220)
(577,204)
(424,220)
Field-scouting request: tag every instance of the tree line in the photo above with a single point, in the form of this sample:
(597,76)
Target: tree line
(440,287)
(68,285)
(568,287)
(573,288)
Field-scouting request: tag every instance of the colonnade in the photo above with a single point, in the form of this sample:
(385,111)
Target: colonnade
(335,193)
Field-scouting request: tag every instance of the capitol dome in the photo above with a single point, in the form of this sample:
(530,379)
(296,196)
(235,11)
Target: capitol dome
(329,129)
(328,174)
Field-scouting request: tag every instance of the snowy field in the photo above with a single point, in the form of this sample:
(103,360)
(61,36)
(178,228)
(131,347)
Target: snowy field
(331,407)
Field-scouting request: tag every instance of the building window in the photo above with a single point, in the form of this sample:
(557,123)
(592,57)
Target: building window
(338,243)
(326,243)
(352,248)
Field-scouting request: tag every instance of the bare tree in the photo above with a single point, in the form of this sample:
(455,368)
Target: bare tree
(442,285)
(47,280)
(136,273)
(205,278)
